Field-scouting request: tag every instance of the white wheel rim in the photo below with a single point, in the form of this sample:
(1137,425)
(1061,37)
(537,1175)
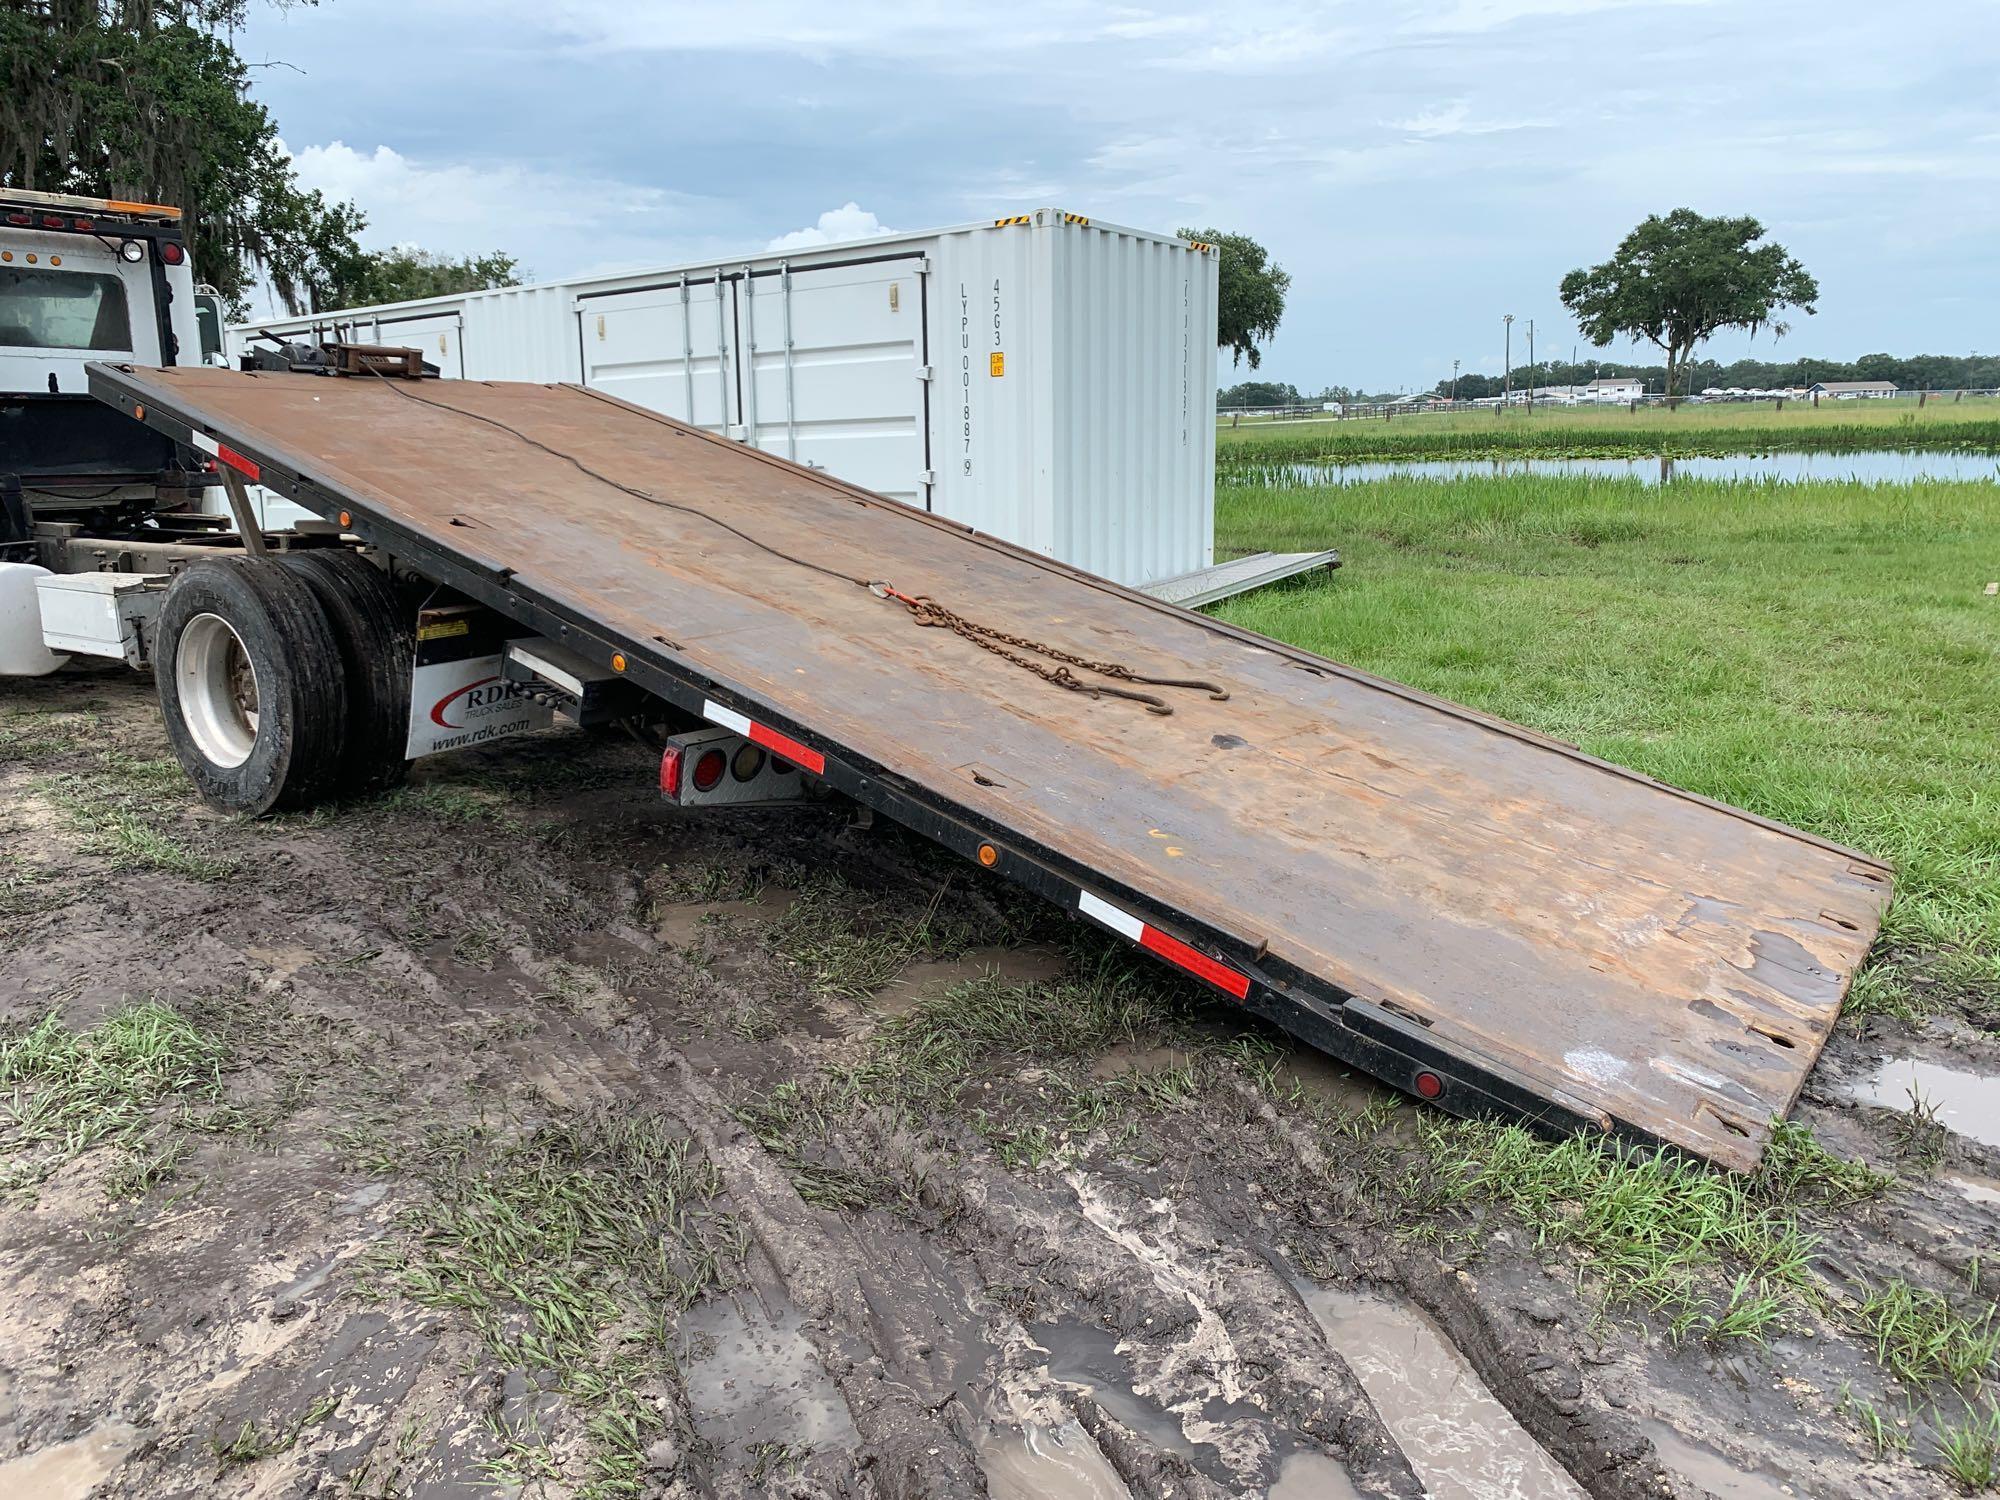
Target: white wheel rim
(218,690)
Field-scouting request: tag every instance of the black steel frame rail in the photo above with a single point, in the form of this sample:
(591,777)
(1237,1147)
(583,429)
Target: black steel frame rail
(1375,1038)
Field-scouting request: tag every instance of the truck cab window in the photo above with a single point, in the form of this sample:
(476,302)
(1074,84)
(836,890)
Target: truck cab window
(63,310)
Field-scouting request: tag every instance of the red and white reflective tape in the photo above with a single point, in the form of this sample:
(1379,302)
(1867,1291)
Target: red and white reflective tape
(803,756)
(1172,949)
(225,454)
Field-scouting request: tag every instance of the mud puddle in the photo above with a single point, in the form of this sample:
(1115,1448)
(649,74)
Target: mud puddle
(1714,1473)
(1966,1102)
(935,977)
(755,1382)
(1039,1462)
(1462,1442)
(1204,1433)
(1974,1187)
(71,1470)
(1312,1476)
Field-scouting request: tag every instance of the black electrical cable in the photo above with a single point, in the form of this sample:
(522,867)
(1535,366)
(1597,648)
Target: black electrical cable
(637,494)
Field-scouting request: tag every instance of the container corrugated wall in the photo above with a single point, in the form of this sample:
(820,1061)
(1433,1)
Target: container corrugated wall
(1040,377)
(1132,401)
(522,333)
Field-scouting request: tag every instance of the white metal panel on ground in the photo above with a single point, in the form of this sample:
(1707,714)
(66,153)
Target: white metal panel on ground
(1040,377)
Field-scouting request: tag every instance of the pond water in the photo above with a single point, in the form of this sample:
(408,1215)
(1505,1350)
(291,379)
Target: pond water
(1888,466)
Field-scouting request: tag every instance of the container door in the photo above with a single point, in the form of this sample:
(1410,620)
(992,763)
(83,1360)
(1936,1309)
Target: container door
(847,395)
(440,337)
(667,348)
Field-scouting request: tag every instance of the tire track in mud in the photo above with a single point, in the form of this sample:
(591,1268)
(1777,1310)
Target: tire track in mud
(1144,1307)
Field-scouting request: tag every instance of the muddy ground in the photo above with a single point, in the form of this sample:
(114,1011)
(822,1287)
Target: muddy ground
(515,1134)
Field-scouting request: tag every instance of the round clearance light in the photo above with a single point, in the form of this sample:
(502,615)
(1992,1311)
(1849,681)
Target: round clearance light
(133,251)
(618,661)
(749,761)
(55,260)
(708,770)
(988,855)
(172,253)
(1429,1085)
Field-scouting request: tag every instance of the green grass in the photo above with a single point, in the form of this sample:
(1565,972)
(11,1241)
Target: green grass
(1575,432)
(1920,1336)
(1822,654)
(115,1083)
(131,811)
(573,1250)
(1969,1449)
(1713,1254)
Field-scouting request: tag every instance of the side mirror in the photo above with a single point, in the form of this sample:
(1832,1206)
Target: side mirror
(208,318)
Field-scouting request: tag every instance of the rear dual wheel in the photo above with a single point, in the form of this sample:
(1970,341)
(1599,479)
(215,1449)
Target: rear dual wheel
(283,682)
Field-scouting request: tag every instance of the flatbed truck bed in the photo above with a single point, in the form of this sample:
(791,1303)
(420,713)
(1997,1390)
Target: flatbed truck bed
(1476,914)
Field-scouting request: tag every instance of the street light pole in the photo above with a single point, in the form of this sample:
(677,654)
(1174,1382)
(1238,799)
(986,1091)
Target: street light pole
(1531,364)
(1454,382)
(1507,383)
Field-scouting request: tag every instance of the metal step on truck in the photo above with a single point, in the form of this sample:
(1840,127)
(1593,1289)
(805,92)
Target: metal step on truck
(1480,916)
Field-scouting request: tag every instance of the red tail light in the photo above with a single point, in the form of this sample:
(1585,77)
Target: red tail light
(708,770)
(50,221)
(88,226)
(23,219)
(670,772)
(1429,1085)
(172,253)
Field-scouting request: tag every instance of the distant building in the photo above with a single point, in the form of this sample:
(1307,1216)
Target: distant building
(1615,386)
(1852,390)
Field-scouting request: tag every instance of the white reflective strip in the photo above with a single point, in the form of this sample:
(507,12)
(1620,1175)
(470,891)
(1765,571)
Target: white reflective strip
(1120,922)
(728,718)
(204,442)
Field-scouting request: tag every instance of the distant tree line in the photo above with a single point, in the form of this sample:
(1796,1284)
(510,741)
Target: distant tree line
(1255,394)
(1937,372)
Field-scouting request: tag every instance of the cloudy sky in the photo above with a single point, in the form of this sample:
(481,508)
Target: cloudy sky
(1420,169)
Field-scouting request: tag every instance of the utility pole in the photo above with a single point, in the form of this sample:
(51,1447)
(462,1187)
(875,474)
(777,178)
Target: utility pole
(1454,382)
(1531,364)
(1507,383)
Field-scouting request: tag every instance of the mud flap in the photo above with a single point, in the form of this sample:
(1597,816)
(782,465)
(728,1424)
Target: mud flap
(458,695)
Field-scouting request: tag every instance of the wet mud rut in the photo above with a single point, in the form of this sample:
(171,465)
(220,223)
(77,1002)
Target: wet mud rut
(513,1134)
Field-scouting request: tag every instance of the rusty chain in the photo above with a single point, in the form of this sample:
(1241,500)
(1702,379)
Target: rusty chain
(927,611)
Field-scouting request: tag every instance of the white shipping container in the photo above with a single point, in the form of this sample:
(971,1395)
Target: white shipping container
(1043,378)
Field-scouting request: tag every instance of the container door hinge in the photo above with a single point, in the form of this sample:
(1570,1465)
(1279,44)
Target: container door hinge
(929,476)
(927,372)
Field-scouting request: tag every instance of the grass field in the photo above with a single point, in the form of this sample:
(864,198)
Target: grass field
(1578,432)
(1823,654)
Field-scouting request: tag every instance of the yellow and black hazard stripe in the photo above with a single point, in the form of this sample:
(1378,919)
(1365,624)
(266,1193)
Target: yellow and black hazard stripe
(1199,245)
(1013,219)
(1083,219)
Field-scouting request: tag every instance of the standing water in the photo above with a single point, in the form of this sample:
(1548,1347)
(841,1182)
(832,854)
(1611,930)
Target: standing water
(1462,1442)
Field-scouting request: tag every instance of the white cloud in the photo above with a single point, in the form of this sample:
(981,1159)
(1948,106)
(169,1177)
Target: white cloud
(848,222)
(1455,118)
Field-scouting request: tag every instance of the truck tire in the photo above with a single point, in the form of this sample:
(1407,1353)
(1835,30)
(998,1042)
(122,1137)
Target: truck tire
(250,685)
(376,636)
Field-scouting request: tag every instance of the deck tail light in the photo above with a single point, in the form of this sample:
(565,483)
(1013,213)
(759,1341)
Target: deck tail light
(708,770)
(132,251)
(670,771)
(21,220)
(51,221)
(172,253)
(748,762)
(87,226)
(1429,1085)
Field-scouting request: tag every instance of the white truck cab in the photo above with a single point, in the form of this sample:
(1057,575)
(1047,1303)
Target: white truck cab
(84,280)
